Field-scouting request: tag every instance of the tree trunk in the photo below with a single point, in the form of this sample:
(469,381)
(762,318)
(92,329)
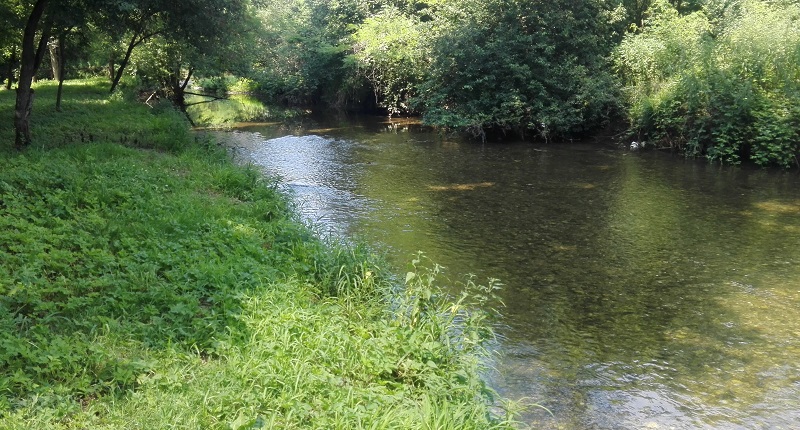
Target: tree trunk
(24,103)
(42,47)
(140,35)
(135,40)
(62,71)
(54,47)
(177,89)
(111,67)
(12,59)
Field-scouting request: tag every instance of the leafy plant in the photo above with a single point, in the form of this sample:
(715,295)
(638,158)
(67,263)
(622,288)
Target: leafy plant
(720,82)
(388,52)
(517,67)
(144,288)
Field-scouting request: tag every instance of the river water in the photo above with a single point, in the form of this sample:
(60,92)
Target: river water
(642,290)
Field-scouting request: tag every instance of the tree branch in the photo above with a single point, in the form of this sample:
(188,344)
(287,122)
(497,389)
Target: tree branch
(206,95)
(42,47)
(186,81)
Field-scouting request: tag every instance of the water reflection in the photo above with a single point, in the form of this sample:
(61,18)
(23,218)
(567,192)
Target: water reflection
(309,167)
(642,291)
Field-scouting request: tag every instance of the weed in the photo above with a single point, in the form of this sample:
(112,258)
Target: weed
(718,83)
(173,289)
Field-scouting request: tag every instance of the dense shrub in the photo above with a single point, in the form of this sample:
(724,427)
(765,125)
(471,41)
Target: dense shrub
(518,66)
(720,82)
(388,52)
(523,67)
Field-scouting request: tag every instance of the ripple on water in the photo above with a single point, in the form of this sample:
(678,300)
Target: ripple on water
(642,291)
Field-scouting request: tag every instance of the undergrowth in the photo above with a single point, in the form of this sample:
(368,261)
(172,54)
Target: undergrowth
(721,82)
(147,282)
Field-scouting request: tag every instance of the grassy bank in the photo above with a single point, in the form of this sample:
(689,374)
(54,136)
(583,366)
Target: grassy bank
(146,282)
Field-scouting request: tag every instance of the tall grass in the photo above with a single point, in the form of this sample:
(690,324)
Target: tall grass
(169,288)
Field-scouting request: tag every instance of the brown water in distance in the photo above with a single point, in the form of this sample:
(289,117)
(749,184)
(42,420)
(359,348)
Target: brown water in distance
(643,291)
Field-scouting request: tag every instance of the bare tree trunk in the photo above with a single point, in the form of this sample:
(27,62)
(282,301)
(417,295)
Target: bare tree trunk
(62,71)
(111,67)
(12,60)
(188,78)
(24,103)
(55,57)
(124,63)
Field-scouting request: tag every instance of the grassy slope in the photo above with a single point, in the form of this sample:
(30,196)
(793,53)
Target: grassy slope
(148,283)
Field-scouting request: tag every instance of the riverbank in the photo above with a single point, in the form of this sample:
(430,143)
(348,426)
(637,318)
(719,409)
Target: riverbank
(148,282)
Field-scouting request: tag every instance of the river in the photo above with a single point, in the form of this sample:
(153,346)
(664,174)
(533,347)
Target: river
(642,290)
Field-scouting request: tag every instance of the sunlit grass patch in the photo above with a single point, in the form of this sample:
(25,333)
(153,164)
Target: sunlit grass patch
(222,112)
(305,363)
(89,114)
(155,284)
(773,206)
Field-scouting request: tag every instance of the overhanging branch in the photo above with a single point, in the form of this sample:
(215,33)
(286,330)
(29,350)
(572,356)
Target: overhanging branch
(212,97)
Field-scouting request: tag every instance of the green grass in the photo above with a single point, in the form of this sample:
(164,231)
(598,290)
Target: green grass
(235,108)
(89,114)
(146,282)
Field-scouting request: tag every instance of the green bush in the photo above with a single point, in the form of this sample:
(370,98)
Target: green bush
(495,68)
(228,84)
(216,84)
(388,52)
(719,83)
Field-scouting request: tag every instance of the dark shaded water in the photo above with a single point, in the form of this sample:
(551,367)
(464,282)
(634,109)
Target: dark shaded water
(642,290)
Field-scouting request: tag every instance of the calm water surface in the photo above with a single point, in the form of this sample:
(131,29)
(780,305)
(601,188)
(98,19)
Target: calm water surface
(643,291)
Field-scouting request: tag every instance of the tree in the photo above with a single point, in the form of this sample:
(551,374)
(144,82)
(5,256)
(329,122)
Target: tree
(71,15)
(305,44)
(45,17)
(387,48)
(11,15)
(193,42)
(518,66)
(199,25)
(31,57)
(139,19)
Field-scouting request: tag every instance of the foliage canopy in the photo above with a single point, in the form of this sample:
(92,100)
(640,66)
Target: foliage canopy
(709,77)
(721,82)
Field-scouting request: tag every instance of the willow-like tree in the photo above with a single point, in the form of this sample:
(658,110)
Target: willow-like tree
(199,25)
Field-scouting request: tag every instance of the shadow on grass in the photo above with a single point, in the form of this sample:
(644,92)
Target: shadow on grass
(110,254)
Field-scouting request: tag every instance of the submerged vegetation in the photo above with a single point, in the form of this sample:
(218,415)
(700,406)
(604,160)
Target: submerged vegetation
(148,282)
